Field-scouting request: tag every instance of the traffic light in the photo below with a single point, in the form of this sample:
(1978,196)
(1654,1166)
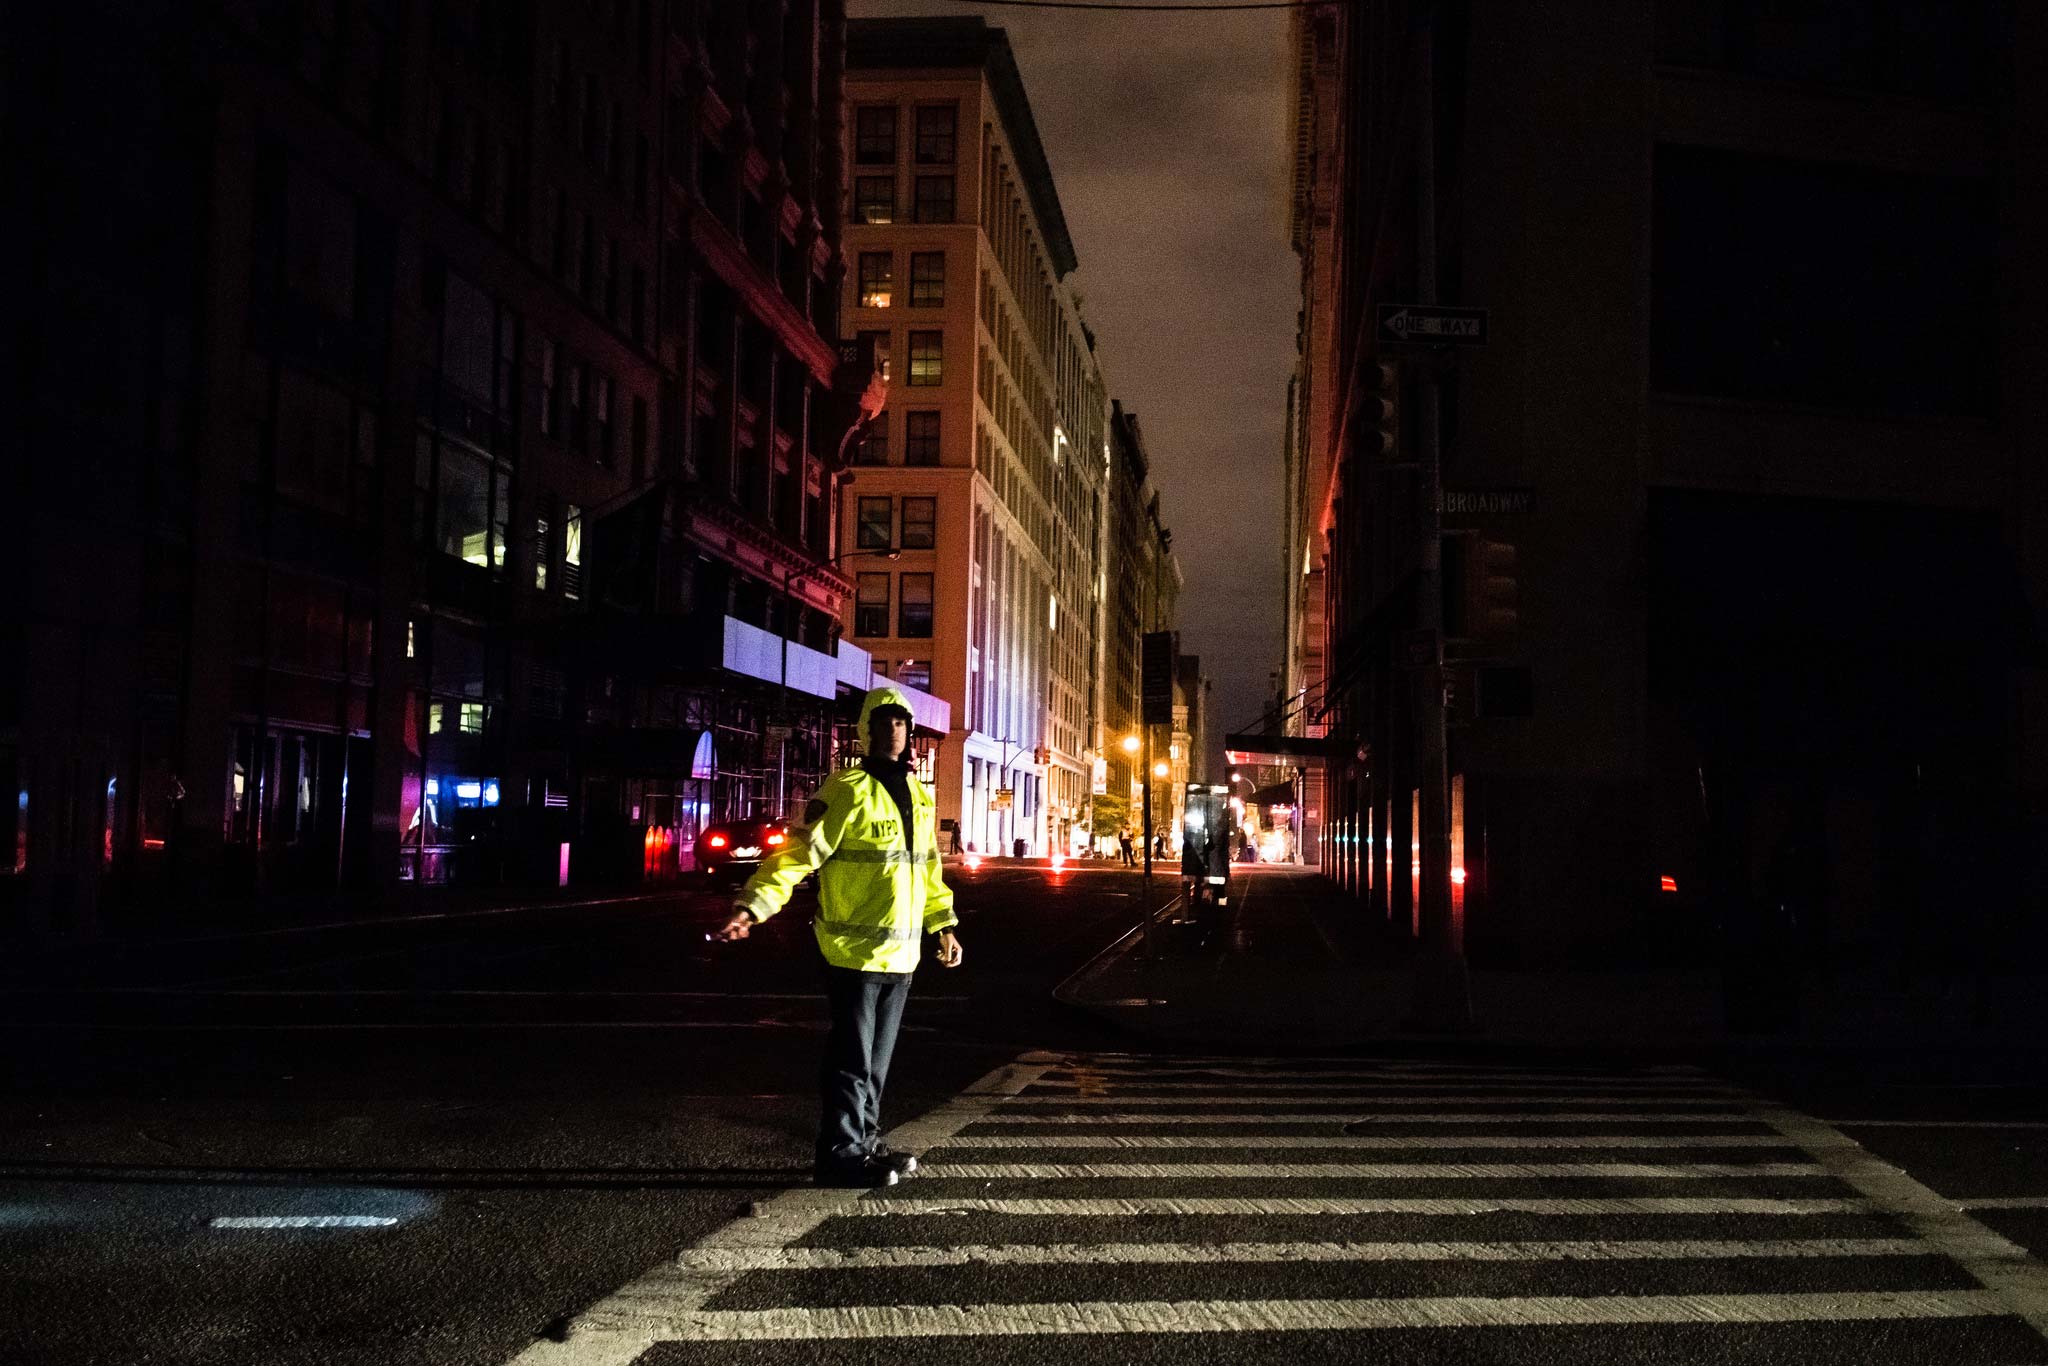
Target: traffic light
(1383,406)
(1480,588)
(1493,604)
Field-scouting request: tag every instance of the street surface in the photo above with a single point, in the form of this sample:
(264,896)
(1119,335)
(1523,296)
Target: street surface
(583,1136)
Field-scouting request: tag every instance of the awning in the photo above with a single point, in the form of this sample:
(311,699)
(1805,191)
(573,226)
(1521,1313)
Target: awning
(1294,751)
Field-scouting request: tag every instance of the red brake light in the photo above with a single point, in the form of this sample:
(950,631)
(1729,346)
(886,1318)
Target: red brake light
(718,841)
(775,839)
(1667,884)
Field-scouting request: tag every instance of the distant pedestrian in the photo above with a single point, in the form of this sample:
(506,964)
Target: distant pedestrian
(869,834)
(956,837)
(1123,840)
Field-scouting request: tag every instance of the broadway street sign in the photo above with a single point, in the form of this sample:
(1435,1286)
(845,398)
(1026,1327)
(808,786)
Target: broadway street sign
(1428,325)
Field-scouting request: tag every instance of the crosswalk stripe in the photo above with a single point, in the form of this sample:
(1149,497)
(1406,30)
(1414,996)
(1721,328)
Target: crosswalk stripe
(1118,1076)
(1474,1098)
(1214,1081)
(1429,1117)
(1359,1171)
(1424,1142)
(1252,1316)
(1208,1254)
(1377,1085)
(1283,1206)
(596,1338)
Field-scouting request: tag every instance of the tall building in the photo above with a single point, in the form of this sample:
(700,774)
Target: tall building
(1741,551)
(1143,596)
(440,403)
(974,508)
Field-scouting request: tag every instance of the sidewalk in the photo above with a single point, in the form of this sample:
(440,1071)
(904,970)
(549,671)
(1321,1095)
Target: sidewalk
(1292,967)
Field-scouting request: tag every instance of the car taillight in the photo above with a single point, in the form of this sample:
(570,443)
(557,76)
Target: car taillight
(775,839)
(718,841)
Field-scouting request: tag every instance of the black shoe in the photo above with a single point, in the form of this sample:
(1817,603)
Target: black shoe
(903,1164)
(860,1173)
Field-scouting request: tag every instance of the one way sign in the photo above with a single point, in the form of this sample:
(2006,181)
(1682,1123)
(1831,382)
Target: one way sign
(1428,325)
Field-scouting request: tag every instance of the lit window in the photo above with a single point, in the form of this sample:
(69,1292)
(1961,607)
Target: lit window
(927,359)
(874,199)
(877,278)
(572,552)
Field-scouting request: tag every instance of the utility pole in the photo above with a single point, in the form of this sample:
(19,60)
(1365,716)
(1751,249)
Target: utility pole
(1441,990)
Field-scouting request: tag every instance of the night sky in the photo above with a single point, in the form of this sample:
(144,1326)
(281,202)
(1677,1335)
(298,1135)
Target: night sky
(1167,136)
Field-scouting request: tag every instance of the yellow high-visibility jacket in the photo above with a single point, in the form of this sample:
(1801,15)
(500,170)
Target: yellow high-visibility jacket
(876,897)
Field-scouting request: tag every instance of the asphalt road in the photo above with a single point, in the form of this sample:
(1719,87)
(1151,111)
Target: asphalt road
(489,1139)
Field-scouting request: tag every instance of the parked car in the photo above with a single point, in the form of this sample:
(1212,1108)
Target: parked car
(732,849)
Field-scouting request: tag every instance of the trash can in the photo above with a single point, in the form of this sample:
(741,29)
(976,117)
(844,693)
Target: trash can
(1017,847)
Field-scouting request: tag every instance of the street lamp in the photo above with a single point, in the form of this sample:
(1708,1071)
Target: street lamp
(1130,744)
(1159,770)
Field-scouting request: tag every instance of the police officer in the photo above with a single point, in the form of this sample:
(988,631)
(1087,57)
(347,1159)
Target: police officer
(869,834)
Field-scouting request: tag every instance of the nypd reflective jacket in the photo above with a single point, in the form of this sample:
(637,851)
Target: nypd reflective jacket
(878,893)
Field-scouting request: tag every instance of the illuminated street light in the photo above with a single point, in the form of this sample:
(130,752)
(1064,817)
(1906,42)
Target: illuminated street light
(1159,770)
(1130,744)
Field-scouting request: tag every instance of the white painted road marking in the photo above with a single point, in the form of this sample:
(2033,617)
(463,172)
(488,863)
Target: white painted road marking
(1423,1142)
(2017,1280)
(1475,1098)
(303,1221)
(1356,1171)
(2005,1202)
(1076,1207)
(1211,1254)
(1730,1117)
(1265,1316)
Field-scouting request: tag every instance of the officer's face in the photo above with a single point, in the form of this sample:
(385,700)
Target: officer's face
(888,735)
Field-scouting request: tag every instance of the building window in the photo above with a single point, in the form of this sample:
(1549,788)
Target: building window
(915,673)
(469,496)
(927,279)
(550,390)
(572,552)
(874,199)
(935,140)
(934,202)
(603,404)
(541,550)
(914,617)
(872,527)
(576,381)
(874,443)
(919,518)
(639,436)
(921,437)
(871,605)
(874,135)
(927,359)
(877,278)
(879,341)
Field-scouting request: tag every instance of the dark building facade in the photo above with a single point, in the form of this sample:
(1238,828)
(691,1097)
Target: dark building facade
(436,444)
(1742,536)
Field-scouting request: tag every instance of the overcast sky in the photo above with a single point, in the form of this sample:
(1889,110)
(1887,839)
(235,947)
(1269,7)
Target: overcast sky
(1167,139)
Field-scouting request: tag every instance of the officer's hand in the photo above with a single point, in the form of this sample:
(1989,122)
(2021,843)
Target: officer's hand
(949,949)
(739,927)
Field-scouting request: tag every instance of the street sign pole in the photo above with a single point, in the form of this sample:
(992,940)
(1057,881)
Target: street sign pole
(1441,992)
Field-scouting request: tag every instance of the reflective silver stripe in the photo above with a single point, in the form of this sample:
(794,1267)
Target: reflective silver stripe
(882,856)
(878,933)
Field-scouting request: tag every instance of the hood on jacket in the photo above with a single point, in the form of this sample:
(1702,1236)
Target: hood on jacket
(884,696)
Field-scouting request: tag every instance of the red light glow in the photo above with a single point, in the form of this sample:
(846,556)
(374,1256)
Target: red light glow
(1458,876)
(1667,884)
(973,862)
(717,841)
(1059,861)
(775,839)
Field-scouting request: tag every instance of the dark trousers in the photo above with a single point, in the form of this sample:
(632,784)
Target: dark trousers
(867,1007)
